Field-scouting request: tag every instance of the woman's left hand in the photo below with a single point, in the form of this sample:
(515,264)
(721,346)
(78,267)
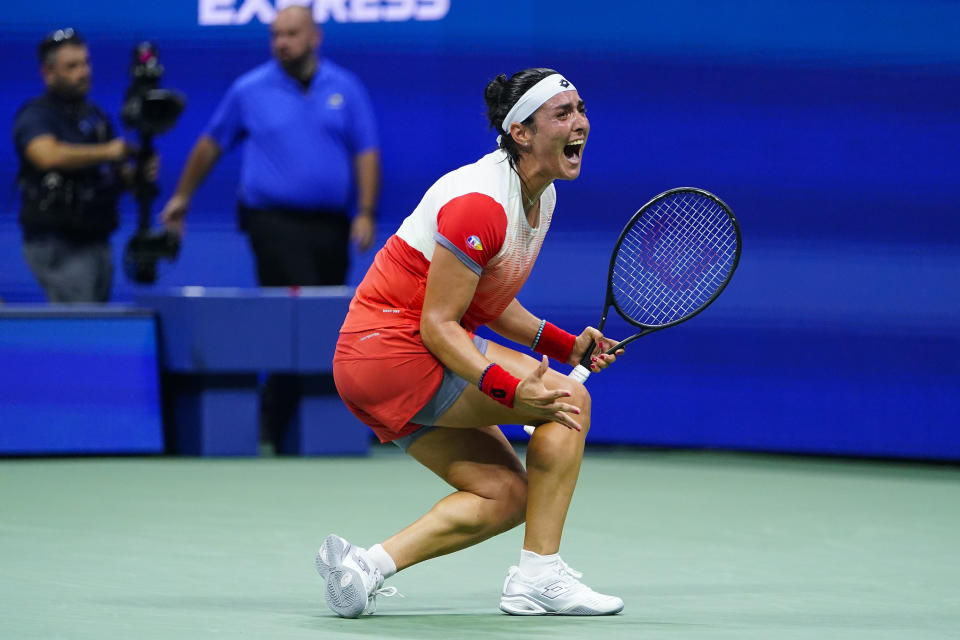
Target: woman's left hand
(601,345)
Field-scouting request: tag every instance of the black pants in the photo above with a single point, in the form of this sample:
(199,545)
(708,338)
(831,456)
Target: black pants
(293,249)
(298,249)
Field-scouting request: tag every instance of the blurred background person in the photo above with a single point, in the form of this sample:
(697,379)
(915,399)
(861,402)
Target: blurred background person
(72,170)
(310,151)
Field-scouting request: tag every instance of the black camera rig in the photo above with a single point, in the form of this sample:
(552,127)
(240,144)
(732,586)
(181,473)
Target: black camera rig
(150,111)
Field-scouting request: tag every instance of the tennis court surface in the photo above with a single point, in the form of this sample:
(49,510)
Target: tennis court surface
(698,544)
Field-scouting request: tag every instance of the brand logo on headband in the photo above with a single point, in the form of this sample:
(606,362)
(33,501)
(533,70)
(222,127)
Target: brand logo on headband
(534,97)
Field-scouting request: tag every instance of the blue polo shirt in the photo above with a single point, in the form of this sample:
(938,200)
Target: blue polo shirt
(298,145)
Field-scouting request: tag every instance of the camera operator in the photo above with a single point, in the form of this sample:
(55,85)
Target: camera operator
(72,170)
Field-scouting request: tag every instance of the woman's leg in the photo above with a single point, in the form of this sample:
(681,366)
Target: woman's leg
(490,495)
(493,493)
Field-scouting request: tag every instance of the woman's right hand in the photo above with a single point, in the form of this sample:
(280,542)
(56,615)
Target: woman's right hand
(535,399)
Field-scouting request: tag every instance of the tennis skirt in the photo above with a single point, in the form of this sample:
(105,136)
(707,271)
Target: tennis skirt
(385,377)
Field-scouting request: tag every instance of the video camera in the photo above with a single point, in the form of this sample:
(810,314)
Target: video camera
(150,111)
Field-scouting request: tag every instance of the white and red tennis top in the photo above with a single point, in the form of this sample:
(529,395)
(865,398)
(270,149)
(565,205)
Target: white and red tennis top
(476,212)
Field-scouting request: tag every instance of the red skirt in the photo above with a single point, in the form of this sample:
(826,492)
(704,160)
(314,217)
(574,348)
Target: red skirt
(385,376)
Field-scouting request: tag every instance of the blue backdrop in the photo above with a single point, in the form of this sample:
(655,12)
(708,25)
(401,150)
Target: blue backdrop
(79,381)
(830,128)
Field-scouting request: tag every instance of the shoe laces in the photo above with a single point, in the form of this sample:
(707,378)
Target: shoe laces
(387,592)
(567,569)
(379,590)
(564,569)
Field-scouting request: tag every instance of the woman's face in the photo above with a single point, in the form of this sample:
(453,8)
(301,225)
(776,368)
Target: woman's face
(561,134)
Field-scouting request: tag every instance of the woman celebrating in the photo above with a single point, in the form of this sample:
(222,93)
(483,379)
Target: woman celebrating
(409,365)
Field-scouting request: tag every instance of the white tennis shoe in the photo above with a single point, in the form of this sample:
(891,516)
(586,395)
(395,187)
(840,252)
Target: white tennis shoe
(556,592)
(353,583)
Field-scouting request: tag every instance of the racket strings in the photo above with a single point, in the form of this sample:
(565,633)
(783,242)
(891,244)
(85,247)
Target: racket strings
(673,259)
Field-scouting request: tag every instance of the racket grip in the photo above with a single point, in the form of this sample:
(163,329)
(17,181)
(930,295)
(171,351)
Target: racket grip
(580,373)
(586,359)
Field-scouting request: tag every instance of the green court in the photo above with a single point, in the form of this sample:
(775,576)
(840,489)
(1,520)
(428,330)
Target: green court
(698,545)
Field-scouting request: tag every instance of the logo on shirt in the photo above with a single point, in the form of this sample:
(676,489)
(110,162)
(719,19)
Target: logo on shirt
(335,101)
(474,243)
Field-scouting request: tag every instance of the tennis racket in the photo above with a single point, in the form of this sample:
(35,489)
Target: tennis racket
(671,261)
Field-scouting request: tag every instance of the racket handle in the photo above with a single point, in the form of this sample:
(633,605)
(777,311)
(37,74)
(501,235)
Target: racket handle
(580,373)
(586,359)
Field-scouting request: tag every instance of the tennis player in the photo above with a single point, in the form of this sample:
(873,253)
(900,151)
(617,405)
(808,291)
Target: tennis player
(408,364)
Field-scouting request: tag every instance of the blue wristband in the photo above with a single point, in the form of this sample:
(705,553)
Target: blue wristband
(482,375)
(536,340)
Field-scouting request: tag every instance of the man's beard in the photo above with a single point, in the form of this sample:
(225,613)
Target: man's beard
(71,92)
(298,67)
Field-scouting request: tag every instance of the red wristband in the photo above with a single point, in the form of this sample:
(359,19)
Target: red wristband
(498,384)
(555,343)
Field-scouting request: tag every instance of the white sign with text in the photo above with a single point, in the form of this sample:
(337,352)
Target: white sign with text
(235,12)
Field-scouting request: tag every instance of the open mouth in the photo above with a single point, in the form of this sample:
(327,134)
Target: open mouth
(573,150)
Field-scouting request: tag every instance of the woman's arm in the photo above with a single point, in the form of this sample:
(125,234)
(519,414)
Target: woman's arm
(517,324)
(450,289)
(521,326)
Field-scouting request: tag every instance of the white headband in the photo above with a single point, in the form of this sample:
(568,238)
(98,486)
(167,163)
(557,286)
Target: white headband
(534,98)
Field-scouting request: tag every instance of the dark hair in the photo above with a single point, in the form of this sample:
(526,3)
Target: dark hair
(56,39)
(501,94)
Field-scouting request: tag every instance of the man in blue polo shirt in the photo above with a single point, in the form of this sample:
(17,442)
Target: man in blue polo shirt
(310,149)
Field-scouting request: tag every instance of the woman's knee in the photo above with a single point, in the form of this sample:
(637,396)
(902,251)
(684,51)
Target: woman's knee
(507,492)
(580,398)
(557,444)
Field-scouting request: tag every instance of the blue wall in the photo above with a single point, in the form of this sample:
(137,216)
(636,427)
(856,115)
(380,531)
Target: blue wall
(831,128)
(79,381)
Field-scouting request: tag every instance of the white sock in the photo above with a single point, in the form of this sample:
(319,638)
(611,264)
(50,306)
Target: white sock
(382,560)
(533,564)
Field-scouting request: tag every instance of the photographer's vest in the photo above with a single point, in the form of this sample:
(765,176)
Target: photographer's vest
(81,204)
